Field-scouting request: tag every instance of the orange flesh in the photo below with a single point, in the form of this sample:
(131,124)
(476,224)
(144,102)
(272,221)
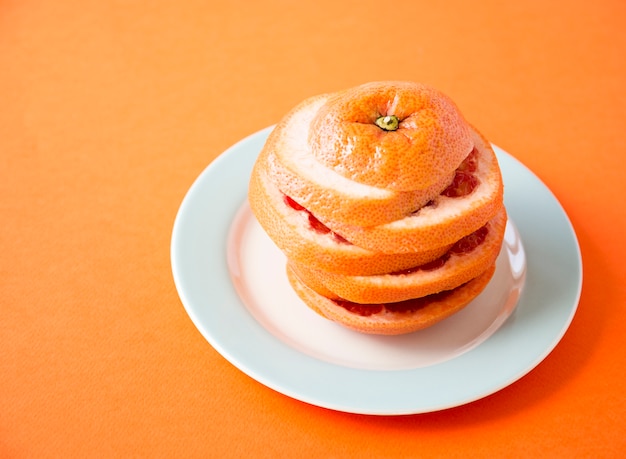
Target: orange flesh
(315,224)
(407,306)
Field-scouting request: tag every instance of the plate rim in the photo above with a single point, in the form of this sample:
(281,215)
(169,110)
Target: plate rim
(305,387)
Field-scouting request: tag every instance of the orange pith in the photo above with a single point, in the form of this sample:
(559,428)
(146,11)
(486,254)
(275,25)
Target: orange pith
(387,204)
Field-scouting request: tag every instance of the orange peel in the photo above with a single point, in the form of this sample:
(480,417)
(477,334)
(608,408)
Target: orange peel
(431,137)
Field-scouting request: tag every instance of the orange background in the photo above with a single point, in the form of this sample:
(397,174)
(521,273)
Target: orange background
(109,110)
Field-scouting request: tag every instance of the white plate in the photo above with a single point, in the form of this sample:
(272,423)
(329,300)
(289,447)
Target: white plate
(231,280)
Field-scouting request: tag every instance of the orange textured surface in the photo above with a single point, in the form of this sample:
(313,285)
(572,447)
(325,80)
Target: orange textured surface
(108,112)
(430,137)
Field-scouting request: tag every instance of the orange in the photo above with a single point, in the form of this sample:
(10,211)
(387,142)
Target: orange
(366,191)
(396,135)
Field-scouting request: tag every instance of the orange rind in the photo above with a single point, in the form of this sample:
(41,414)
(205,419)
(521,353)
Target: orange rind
(430,139)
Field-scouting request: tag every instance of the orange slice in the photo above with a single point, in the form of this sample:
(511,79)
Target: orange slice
(392,319)
(457,267)
(292,232)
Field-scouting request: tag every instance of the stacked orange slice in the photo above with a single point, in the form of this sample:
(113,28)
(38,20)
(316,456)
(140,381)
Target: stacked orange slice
(387,204)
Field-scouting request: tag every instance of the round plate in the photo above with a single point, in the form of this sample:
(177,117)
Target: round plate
(232,283)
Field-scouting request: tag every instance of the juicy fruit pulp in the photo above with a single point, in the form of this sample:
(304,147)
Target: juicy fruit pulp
(406,306)
(315,224)
(464,181)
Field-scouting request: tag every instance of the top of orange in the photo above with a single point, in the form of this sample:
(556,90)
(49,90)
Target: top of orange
(330,196)
(395,135)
